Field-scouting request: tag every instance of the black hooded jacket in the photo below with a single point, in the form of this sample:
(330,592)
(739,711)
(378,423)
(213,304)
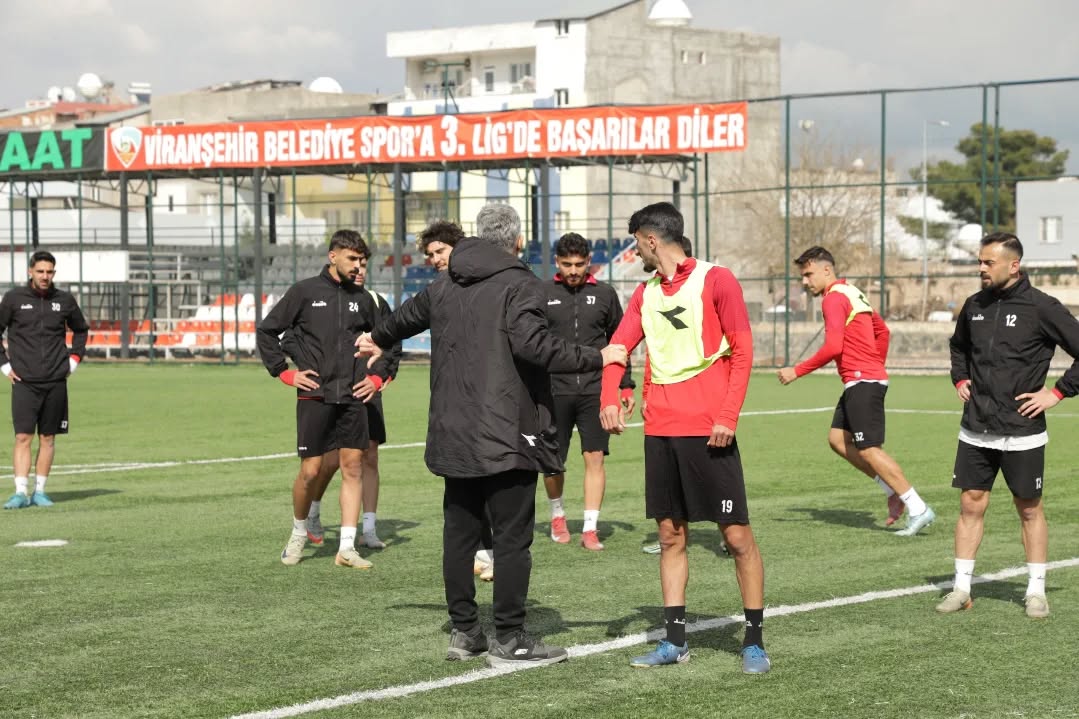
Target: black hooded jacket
(491,355)
(1003,343)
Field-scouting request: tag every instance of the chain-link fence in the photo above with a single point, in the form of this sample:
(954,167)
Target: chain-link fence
(898,184)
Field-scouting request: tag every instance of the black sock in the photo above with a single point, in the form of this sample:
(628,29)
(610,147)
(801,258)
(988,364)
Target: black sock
(754,627)
(674,618)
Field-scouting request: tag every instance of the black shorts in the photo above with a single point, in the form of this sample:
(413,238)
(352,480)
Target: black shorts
(376,419)
(321,427)
(977,467)
(861,412)
(41,407)
(581,411)
(686,479)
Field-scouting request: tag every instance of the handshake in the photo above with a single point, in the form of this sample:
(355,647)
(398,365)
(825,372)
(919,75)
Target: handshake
(366,347)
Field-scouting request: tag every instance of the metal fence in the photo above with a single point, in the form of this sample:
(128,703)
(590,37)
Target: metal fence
(842,170)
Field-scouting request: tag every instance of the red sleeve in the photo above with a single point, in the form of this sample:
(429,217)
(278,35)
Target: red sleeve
(630,332)
(835,307)
(730,306)
(881,334)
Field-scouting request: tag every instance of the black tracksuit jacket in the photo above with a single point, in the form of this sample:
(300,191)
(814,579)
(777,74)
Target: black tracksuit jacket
(584,315)
(1003,343)
(37,327)
(491,409)
(326,317)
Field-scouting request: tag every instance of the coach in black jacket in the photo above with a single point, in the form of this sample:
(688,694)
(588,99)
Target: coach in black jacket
(325,315)
(37,361)
(582,310)
(1004,340)
(490,428)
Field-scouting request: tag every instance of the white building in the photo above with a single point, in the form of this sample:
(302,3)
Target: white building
(638,52)
(1047,221)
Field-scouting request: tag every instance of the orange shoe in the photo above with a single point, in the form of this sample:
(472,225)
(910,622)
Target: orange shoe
(590,540)
(895,510)
(559,533)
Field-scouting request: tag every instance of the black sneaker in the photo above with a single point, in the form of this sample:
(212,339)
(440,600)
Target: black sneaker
(465,645)
(520,649)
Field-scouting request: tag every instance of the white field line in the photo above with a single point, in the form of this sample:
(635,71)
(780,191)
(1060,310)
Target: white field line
(584,650)
(69,469)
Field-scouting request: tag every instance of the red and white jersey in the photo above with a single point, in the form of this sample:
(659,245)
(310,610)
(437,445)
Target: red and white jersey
(855,336)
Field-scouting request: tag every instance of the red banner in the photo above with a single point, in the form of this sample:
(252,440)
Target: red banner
(515,134)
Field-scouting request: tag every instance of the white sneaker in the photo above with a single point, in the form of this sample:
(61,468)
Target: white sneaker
(371,540)
(293,551)
(351,558)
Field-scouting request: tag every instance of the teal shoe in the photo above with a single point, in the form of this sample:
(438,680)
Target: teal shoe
(664,653)
(755,660)
(917,523)
(17,501)
(40,499)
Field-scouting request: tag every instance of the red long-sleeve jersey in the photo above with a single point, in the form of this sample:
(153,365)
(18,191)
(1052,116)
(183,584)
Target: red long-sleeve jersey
(715,396)
(859,347)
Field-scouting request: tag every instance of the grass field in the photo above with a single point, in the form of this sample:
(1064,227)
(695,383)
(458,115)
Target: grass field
(170,599)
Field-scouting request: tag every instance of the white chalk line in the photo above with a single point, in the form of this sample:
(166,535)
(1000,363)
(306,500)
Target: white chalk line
(97,468)
(583,650)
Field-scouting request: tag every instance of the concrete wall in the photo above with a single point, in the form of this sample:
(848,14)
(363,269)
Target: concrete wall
(207,107)
(634,62)
(1045,199)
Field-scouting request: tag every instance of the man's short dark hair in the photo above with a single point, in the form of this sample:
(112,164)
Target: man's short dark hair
(42,256)
(349,240)
(444,231)
(662,218)
(1010,242)
(571,244)
(816,253)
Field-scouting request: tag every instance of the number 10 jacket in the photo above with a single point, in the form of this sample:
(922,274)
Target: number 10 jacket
(491,354)
(325,317)
(1003,343)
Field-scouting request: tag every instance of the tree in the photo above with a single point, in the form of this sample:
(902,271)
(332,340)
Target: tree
(1023,154)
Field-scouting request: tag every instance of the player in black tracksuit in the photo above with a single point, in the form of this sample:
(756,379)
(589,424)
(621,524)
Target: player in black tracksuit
(37,361)
(1004,340)
(378,376)
(587,312)
(325,314)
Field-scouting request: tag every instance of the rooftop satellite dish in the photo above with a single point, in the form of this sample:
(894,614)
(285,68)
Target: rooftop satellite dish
(54,93)
(325,84)
(68,93)
(89,85)
(672,13)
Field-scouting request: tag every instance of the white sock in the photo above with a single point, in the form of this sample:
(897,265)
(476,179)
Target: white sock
(39,482)
(964,570)
(20,484)
(591,517)
(299,526)
(316,506)
(368,522)
(1036,583)
(556,508)
(485,556)
(915,504)
(888,491)
(348,539)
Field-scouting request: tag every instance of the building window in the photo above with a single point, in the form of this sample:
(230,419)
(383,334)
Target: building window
(333,219)
(359,220)
(702,58)
(561,96)
(685,57)
(208,200)
(561,222)
(489,79)
(1051,230)
(561,27)
(520,70)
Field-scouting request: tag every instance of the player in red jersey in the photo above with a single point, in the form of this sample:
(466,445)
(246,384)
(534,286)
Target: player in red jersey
(856,337)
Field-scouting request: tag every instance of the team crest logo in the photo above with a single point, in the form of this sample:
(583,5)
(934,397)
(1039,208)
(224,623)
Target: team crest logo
(126,142)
